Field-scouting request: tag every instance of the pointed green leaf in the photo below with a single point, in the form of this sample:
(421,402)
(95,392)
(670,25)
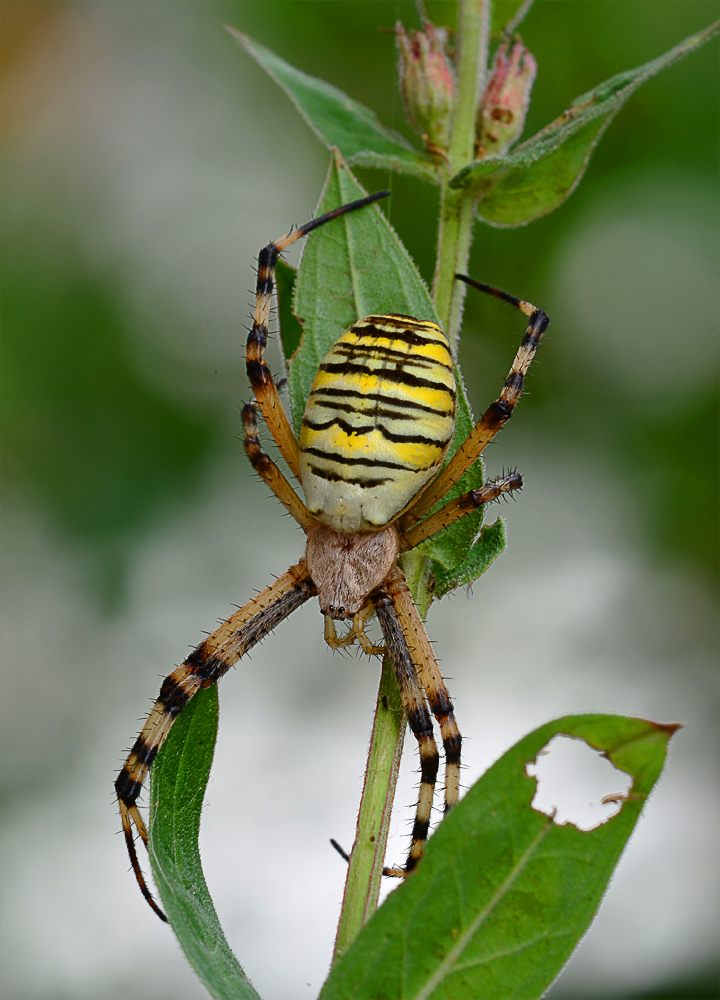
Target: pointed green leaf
(538,175)
(489,544)
(179,778)
(352,267)
(339,121)
(503,895)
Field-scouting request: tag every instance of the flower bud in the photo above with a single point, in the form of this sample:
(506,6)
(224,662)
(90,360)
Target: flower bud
(506,98)
(427,82)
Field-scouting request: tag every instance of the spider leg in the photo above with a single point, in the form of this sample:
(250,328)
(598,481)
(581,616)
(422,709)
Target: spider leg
(431,679)
(456,509)
(419,721)
(202,668)
(258,372)
(498,413)
(269,472)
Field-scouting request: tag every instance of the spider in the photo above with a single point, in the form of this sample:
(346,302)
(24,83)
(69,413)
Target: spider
(376,429)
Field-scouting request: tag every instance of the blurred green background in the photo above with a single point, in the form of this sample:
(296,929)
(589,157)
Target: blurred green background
(145,160)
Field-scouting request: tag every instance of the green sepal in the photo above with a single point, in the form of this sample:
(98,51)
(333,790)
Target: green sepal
(502,14)
(538,175)
(503,895)
(290,328)
(339,121)
(489,544)
(179,778)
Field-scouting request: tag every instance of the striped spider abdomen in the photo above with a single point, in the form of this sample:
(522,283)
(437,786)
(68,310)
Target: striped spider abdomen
(378,421)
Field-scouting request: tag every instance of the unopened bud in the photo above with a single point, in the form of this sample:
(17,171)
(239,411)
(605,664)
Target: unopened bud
(427,82)
(506,98)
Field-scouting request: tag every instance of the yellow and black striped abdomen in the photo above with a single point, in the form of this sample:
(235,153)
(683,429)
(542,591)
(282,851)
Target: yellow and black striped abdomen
(378,421)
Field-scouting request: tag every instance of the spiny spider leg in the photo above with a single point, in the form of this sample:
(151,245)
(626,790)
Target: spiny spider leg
(498,413)
(419,720)
(456,509)
(258,372)
(431,679)
(202,668)
(269,472)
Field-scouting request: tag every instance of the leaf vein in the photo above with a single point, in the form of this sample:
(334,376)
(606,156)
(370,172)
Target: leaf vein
(448,963)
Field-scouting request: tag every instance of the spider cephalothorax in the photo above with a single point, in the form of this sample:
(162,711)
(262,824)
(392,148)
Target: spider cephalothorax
(347,566)
(376,429)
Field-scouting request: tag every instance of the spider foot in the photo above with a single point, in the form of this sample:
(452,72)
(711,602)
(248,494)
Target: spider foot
(395,872)
(343,854)
(389,872)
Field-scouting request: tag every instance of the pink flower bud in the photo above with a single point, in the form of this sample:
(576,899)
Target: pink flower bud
(427,82)
(506,98)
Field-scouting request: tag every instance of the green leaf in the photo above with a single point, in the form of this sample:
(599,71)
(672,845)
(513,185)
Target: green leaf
(351,268)
(489,544)
(450,547)
(339,121)
(290,328)
(503,895)
(538,175)
(179,778)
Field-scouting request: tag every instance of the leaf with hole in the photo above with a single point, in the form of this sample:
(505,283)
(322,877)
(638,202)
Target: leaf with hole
(538,175)
(339,121)
(503,894)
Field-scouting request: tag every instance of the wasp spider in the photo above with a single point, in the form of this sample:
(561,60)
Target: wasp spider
(376,429)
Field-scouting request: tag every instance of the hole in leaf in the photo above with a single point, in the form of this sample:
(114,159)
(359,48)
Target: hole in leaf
(576,784)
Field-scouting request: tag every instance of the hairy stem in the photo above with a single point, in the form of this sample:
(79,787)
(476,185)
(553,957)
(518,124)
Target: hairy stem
(455,233)
(362,886)
(456,208)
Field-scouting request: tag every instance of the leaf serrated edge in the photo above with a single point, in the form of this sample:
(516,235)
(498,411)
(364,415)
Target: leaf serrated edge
(454,578)
(566,194)
(559,130)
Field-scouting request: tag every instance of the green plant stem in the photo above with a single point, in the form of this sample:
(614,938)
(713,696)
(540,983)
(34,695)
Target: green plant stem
(457,212)
(457,209)
(416,567)
(362,886)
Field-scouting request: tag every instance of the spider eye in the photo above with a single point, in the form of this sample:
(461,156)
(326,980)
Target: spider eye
(341,609)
